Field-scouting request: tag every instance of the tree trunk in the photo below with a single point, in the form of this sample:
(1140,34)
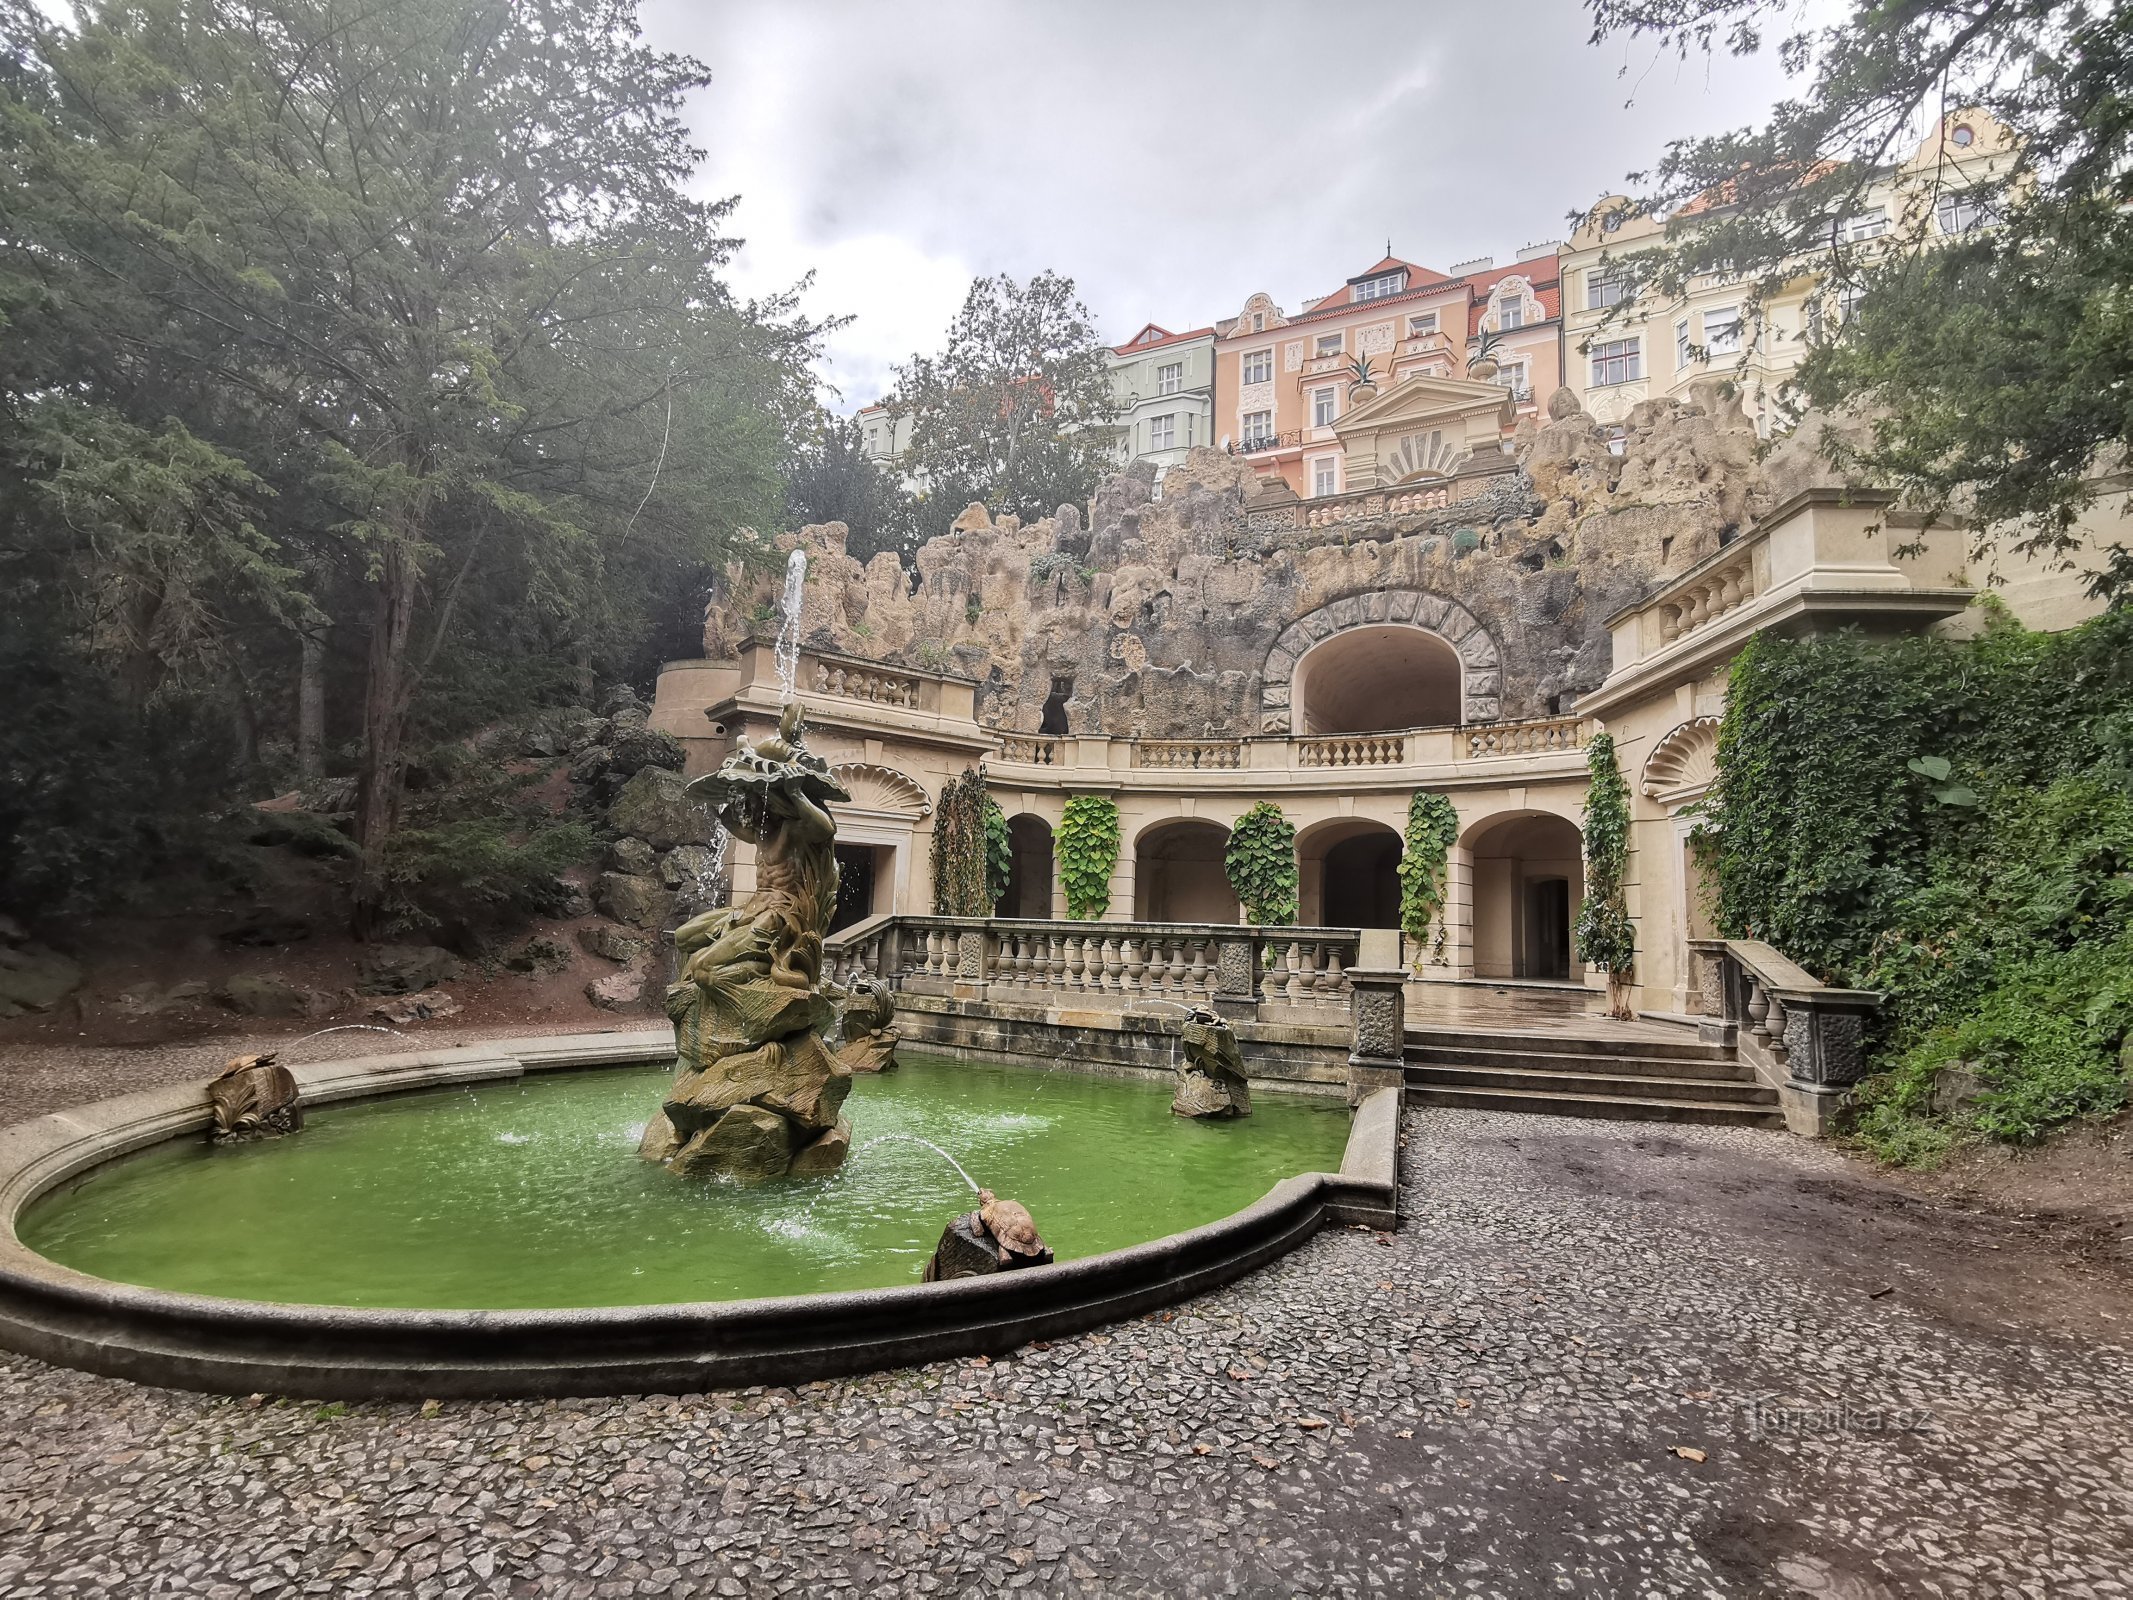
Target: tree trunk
(311,705)
(387,689)
(1618,1006)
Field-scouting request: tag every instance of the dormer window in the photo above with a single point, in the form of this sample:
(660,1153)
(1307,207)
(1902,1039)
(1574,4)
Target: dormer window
(1383,284)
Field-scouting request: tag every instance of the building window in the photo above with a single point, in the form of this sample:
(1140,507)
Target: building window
(1258,322)
(1258,427)
(1512,375)
(1721,331)
(1602,289)
(1329,344)
(1417,326)
(1681,344)
(1322,408)
(1963,213)
(1848,299)
(1170,377)
(1326,476)
(1259,366)
(1962,136)
(1510,312)
(1383,284)
(1618,361)
(1869,224)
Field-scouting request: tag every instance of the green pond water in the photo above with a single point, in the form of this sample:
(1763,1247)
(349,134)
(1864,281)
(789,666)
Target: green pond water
(529,1193)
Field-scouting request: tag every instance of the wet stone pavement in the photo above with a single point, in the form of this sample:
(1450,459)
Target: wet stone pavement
(1599,1359)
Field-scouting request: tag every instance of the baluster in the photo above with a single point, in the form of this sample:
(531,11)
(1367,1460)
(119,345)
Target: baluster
(1199,980)
(1077,947)
(1176,969)
(1133,953)
(1758,1010)
(1335,982)
(1293,989)
(1054,961)
(1113,967)
(1774,1029)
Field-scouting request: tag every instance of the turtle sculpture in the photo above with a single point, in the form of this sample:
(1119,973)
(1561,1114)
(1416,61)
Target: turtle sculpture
(759,1094)
(1211,1081)
(254,1097)
(999,1236)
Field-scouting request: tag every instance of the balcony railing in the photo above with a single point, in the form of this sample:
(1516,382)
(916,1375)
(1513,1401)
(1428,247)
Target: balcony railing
(1094,759)
(1255,443)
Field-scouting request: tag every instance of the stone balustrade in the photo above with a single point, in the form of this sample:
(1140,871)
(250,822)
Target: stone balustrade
(1240,971)
(1333,510)
(1523,738)
(1036,750)
(1803,1037)
(1725,587)
(1198,754)
(1353,750)
(851,681)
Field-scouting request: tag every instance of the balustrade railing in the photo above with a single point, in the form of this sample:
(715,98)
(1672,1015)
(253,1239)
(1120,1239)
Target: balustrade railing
(1724,588)
(1523,738)
(1354,750)
(1797,1032)
(871,684)
(1034,750)
(1243,971)
(1223,754)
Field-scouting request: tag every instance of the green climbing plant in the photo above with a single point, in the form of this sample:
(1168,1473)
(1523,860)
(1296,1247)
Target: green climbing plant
(1088,850)
(1261,863)
(961,839)
(999,854)
(1605,937)
(1432,827)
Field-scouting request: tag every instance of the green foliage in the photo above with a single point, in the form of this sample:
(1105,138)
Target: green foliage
(833,479)
(1985,886)
(474,875)
(395,327)
(1605,936)
(999,853)
(1088,850)
(2037,299)
(1261,862)
(1432,829)
(1016,412)
(962,841)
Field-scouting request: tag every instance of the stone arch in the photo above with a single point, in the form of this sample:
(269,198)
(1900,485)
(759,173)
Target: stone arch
(1683,764)
(1481,674)
(880,789)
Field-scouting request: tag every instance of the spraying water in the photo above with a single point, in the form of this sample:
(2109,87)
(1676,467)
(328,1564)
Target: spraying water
(350,1027)
(787,656)
(912,1138)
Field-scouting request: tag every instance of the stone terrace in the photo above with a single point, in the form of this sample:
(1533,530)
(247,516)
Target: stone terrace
(1493,1402)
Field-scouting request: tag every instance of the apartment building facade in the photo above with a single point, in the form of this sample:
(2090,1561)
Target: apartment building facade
(1656,345)
(1163,384)
(1395,377)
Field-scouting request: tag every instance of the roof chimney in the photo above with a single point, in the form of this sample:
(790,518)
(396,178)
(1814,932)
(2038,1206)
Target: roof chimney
(1535,251)
(1460,269)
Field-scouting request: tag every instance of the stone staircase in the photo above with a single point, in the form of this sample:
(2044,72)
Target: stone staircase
(1592,1073)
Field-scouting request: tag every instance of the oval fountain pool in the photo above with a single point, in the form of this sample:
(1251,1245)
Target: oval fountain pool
(527,1193)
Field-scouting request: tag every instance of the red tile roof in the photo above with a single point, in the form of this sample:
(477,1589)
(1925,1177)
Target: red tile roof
(1140,341)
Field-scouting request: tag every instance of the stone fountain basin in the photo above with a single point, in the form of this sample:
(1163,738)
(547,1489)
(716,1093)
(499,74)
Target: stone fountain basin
(243,1346)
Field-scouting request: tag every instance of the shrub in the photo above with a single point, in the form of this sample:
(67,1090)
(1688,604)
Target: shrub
(1261,863)
(1088,850)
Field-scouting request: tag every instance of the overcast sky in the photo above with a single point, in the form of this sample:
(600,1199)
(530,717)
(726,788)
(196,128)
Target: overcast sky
(1169,157)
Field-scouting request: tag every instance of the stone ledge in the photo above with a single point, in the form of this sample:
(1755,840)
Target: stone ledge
(242,1347)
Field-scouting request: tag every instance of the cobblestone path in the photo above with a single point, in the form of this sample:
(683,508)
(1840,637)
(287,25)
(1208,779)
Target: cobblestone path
(1599,1359)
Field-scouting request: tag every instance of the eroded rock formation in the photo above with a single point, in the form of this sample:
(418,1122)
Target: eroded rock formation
(1159,616)
(759,1093)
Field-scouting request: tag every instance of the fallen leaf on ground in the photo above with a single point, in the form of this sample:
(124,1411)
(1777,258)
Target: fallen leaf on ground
(1239,1374)
(1688,1452)
(1308,1423)
(981,1361)
(1463,1403)
(1028,1497)
(1405,1433)
(1203,1449)
(1267,1462)
(1558,1477)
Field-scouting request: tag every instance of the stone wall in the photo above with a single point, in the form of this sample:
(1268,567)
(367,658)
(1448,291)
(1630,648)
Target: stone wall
(1163,614)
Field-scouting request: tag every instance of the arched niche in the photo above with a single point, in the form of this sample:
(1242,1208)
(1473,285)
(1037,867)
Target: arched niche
(1480,667)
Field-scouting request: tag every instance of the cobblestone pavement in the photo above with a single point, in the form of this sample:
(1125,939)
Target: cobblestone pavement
(1543,1384)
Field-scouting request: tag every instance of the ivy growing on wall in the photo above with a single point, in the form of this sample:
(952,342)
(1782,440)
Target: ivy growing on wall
(1605,938)
(1432,828)
(1950,823)
(1088,850)
(960,840)
(1261,863)
(999,854)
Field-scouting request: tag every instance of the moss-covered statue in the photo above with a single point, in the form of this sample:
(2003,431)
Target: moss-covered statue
(758,1093)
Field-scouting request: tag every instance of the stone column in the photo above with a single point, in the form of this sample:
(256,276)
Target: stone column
(1377,1057)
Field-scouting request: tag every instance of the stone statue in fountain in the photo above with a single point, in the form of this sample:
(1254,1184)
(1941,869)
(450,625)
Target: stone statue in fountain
(1211,1081)
(758,1093)
(867,1024)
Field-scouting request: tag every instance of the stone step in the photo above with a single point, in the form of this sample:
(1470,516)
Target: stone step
(1721,1066)
(1619,1107)
(1543,1042)
(1557,1080)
